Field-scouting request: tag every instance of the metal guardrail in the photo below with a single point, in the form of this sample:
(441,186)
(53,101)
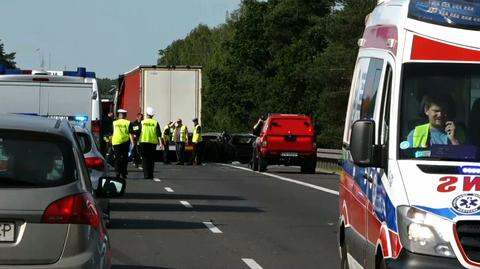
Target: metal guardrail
(327,159)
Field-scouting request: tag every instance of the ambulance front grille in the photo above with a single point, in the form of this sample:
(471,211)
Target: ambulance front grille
(469,237)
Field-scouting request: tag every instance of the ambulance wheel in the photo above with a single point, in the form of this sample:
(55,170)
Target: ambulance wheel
(254,161)
(381,264)
(344,259)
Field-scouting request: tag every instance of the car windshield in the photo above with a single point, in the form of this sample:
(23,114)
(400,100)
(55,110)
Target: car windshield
(439,112)
(31,162)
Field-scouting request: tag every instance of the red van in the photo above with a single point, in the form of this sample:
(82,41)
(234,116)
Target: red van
(286,139)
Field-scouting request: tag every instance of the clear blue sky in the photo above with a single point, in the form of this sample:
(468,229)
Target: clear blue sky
(109,37)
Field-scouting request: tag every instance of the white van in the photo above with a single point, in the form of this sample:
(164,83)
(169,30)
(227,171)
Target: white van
(410,183)
(71,95)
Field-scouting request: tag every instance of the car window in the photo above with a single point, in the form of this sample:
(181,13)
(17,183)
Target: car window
(32,162)
(85,142)
(300,125)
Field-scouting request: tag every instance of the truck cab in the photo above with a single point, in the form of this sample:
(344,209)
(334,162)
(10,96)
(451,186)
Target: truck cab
(410,180)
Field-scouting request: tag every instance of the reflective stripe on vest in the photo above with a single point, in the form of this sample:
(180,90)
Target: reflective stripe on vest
(120,131)
(165,135)
(197,136)
(183,134)
(148,133)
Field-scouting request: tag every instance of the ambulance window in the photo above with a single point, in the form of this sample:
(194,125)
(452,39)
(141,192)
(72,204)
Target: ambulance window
(367,82)
(440,104)
(385,118)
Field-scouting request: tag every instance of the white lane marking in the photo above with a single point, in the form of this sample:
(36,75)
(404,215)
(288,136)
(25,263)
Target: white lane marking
(212,227)
(168,189)
(288,180)
(186,204)
(157,179)
(252,263)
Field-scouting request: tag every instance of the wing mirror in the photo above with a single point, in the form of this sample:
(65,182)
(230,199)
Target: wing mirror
(362,145)
(111,187)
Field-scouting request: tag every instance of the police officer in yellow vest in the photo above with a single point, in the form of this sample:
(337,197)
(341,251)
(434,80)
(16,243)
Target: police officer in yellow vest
(180,137)
(149,139)
(166,138)
(196,143)
(440,128)
(121,138)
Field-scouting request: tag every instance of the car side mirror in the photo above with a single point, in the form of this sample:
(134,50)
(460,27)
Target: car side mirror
(111,187)
(362,145)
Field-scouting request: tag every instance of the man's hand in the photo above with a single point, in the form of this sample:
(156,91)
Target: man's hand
(450,130)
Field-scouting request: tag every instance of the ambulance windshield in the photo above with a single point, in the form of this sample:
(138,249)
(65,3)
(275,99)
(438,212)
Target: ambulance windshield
(440,112)
(463,14)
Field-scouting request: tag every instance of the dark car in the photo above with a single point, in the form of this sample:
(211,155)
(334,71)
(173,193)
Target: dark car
(242,145)
(49,214)
(216,148)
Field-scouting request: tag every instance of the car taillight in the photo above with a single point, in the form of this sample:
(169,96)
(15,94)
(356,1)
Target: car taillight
(264,143)
(94,163)
(74,209)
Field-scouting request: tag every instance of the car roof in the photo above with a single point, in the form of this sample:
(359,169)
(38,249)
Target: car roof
(34,124)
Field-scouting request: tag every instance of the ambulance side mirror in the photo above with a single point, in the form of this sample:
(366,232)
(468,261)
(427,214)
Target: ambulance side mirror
(362,145)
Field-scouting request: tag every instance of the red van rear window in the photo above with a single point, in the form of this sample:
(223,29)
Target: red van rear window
(292,125)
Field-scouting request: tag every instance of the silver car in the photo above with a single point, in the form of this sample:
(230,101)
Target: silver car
(96,164)
(49,216)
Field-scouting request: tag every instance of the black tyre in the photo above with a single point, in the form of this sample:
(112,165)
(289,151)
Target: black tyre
(254,161)
(309,166)
(344,259)
(262,163)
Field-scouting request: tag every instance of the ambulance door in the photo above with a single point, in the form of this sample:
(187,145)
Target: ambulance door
(20,97)
(375,209)
(365,106)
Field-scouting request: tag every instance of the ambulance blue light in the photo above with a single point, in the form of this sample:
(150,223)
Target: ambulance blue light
(6,71)
(81,118)
(464,14)
(81,72)
(471,170)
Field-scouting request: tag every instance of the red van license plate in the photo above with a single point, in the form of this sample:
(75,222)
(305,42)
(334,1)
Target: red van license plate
(7,231)
(289,154)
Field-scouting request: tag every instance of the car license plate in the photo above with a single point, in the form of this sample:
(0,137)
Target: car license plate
(289,154)
(7,231)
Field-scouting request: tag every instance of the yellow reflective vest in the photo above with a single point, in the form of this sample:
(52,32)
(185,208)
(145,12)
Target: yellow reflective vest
(421,136)
(166,135)
(120,131)
(148,133)
(183,134)
(197,134)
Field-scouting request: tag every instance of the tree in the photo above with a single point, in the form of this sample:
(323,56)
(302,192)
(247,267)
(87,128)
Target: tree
(7,59)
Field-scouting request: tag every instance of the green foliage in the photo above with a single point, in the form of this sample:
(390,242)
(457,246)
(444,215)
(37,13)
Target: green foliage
(105,86)
(7,59)
(276,56)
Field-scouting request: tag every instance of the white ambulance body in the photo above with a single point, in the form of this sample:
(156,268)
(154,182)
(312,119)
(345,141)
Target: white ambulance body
(410,183)
(71,95)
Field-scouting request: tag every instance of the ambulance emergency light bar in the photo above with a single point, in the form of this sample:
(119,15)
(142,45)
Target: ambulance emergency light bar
(464,14)
(81,72)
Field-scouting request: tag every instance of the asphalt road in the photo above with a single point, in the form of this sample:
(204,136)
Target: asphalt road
(219,216)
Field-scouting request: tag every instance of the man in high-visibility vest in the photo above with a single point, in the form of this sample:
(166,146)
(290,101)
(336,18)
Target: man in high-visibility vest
(121,138)
(196,143)
(166,138)
(149,139)
(440,128)
(180,137)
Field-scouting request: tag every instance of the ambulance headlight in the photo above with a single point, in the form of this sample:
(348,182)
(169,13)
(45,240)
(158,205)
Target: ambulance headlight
(424,233)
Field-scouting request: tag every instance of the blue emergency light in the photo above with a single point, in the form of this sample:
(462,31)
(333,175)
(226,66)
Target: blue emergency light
(471,170)
(81,118)
(8,71)
(81,72)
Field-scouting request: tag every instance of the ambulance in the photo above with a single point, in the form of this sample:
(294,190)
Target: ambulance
(410,181)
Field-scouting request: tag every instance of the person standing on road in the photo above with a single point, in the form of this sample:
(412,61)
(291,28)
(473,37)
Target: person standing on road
(180,137)
(196,143)
(122,136)
(136,134)
(149,139)
(166,138)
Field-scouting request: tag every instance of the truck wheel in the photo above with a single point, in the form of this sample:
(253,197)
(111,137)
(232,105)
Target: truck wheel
(343,251)
(262,163)
(254,161)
